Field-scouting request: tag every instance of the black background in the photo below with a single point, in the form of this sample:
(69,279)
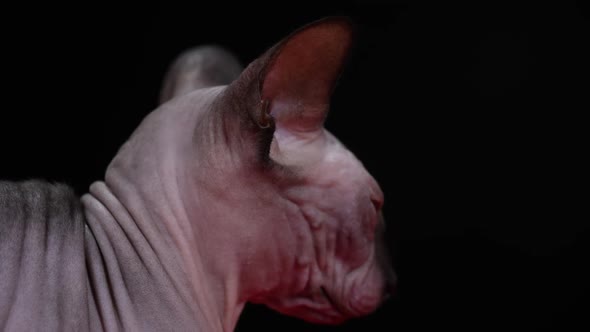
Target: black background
(469,114)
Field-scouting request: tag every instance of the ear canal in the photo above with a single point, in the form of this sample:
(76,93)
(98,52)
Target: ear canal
(301,72)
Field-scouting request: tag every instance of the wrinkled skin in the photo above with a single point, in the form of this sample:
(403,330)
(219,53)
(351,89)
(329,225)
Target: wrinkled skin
(256,199)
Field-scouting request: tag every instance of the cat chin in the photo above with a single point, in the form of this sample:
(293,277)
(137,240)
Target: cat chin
(328,316)
(323,310)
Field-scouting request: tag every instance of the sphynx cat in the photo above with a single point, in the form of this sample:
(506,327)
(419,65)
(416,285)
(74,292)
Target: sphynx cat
(232,191)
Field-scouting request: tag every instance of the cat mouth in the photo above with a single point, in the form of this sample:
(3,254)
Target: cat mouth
(338,308)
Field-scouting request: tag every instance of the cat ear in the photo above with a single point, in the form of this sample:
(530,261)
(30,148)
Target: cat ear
(290,86)
(298,80)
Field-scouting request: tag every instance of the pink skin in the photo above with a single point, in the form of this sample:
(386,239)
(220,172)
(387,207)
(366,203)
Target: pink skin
(295,231)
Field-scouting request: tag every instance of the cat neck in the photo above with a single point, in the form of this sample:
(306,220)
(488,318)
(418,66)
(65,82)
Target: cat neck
(140,276)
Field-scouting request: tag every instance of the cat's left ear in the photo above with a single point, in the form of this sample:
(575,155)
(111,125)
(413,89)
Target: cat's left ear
(289,87)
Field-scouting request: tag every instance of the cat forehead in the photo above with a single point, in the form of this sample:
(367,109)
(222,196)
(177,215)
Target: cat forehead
(342,166)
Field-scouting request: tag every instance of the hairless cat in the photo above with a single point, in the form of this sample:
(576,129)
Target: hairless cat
(232,191)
